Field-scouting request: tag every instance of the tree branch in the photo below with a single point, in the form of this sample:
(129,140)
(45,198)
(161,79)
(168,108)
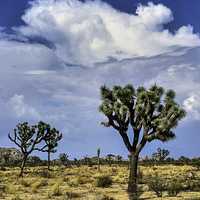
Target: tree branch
(126,141)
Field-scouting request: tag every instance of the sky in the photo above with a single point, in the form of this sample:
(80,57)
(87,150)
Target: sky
(55,55)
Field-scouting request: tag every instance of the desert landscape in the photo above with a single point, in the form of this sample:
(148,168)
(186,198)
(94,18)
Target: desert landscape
(99,100)
(87,183)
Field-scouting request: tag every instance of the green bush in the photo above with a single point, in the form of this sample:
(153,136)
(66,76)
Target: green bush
(104,181)
(174,187)
(157,184)
(192,185)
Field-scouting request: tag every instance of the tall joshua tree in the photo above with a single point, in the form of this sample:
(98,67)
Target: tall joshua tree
(52,137)
(150,113)
(27,138)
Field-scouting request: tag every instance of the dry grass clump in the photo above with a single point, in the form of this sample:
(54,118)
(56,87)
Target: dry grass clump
(104,181)
(72,195)
(16,197)
(55,190)
(38,184)
(10,188)
(25,182)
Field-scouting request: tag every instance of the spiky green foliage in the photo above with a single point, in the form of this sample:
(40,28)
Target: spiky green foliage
(27,138)
(52,137)
(160,155)
(63,157)
(151,111)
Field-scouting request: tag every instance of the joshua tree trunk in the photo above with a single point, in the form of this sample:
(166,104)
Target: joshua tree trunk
(110,162)
(49,159)
(98,164)
(23,166)
(132,184)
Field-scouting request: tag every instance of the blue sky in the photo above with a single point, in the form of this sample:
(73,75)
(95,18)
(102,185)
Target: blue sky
(184,11)
(56,54)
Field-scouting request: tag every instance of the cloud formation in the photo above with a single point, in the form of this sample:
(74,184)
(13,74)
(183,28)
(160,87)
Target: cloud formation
(21,109)
(86,33)
(192,106)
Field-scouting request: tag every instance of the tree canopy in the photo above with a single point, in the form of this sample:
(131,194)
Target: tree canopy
(153,111)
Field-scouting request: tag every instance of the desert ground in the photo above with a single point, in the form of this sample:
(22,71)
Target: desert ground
(63,183)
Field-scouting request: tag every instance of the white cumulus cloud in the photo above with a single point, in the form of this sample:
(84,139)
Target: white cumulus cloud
(21,109)
(90,32)
(192,106)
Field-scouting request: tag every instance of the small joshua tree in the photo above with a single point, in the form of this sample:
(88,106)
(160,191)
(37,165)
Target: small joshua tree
(98,157)
(27,138)
(119,159)
(109,158)
(150,113)
(52,137)
(63,157)
(160,155)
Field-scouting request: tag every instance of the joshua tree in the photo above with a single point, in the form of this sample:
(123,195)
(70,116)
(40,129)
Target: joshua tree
(6,157)
(52,137)
(63,157)
(119,159)
(26,138)
(87,160)
(109,158)
(98,157)
(151,113)
(160,155)
(77,162)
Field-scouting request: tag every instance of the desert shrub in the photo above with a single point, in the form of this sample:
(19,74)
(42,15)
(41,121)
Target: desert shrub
(2,168)
(104,181)
(16,197)
(192,185)
(157,184)
(72,195)
(114,171)
(38,184)
(56,191)
(25,183)
(45,174)
(174,187)
(82,180)
(10,189)
(2,188)
(73,183)
(140,176)
(103,197)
